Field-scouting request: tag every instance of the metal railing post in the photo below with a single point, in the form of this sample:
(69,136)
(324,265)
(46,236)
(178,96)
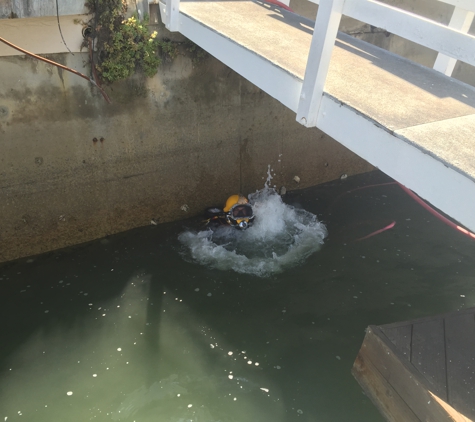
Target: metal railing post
(323,41)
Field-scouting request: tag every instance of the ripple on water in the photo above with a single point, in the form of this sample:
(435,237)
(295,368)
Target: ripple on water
(281,237)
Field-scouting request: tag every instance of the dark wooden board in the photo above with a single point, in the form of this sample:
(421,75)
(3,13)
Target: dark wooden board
(381,393)
(422,369)
(400,336)
(401,375)
(460,349)
(428,354)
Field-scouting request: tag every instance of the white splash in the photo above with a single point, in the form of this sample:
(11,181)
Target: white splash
(282,237)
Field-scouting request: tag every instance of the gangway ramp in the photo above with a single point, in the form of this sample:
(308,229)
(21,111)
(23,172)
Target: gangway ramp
(414,123)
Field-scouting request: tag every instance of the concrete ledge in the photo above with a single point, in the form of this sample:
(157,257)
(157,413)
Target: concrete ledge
(41,35)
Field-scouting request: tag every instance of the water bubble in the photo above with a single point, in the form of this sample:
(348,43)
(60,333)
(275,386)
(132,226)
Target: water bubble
(281,237)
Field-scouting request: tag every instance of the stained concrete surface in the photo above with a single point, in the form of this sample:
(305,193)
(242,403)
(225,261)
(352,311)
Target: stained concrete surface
(74,168)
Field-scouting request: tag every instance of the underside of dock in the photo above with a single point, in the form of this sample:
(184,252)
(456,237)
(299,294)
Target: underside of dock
(421,370)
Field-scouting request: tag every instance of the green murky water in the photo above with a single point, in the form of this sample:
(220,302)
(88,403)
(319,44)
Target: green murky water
(126,329)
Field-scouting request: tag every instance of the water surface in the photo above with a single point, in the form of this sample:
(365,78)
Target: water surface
(128,329)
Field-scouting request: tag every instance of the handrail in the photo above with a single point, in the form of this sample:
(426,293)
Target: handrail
(412,27)
(462,4)
(452,42)
(461,20)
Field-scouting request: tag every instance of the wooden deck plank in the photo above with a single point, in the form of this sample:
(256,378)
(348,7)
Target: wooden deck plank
(428,339)
(435,381)
(402,376)
(460,349)
(381,392)
(401,337)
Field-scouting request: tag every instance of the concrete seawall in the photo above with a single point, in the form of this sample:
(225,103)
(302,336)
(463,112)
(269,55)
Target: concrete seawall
(74,168)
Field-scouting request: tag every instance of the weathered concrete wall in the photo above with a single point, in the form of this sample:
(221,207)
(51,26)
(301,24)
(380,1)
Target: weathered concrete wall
(74,168)
(13,9)
(34,8)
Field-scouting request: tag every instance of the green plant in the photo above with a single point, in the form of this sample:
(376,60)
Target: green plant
(119,46)
(196,52)
(123,45)
(129,47)
(168,49)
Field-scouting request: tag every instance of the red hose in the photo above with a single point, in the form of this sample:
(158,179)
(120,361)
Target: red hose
(280,4)
(437,214)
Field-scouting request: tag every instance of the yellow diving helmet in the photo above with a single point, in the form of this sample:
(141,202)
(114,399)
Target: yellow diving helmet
(238,211)
(233,200)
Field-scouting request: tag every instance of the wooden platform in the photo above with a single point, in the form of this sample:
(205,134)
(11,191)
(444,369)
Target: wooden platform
(421,370)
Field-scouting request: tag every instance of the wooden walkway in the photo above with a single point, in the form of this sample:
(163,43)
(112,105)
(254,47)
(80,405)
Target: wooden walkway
(421,370)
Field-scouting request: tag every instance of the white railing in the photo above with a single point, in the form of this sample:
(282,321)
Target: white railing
(452,42)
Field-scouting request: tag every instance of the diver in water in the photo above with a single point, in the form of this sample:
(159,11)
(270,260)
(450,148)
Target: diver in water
(236,213)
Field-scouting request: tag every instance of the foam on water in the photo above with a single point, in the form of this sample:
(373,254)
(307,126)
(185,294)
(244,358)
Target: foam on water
(282,237)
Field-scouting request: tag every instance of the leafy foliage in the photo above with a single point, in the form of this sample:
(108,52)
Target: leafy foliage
(130,46)
(124,45)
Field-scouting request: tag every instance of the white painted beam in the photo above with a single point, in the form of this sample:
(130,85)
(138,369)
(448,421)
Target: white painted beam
(321,48)
(278,83)
(450,191)
(172,15)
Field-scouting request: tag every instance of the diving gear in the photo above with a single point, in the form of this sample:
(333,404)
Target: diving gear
(233,200)
(240,215)
(237,213)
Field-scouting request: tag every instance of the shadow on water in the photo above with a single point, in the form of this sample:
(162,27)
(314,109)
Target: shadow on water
(133,332)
